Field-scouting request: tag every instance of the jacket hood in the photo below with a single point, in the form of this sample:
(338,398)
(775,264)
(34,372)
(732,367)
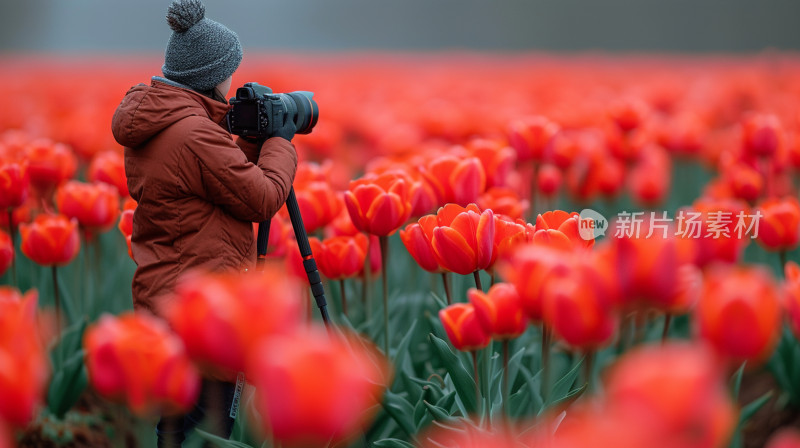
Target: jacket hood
(147,110)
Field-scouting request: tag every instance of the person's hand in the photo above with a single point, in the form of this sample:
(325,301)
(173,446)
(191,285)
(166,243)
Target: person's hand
(287,130)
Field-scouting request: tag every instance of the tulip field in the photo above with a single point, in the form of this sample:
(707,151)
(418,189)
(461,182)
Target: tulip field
(519,250)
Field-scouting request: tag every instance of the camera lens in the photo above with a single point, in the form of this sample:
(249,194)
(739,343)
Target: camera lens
(307,111)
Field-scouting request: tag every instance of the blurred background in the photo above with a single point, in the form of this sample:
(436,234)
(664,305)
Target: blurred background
(80,26)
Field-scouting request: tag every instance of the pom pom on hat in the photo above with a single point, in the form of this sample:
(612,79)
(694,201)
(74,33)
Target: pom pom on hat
(183,14)
(201,53)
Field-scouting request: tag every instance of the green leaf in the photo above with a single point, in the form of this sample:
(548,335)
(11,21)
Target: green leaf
(438,413)
(519,402)
(563,385)
(392,443)
(400,410)
(462,380)
(447,401)
(753,407)
(401,354)
(70,378)
(220,442)
(569,398)
(737,381)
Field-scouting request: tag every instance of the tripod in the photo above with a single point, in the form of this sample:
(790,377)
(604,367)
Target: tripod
(309,264)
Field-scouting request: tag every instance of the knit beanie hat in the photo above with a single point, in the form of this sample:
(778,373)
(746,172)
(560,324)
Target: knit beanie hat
(201,53)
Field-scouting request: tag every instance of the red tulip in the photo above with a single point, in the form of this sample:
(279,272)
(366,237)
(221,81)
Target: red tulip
(49,165)
(460,322)
(315,388)
(136,359)
(469,436)
(221,317)
(779,224)
(578,307)
(744,181)
(496,158)
(51,240)
(25,366)
(718,228)
(549,180)
(629,114)
(463,238)
(109,167)
(785,438)
(125,227)
(95,206)
(739,312)
(340,257)
(791,294)
(761,134)
(499,311)
(530,137)
(650,178)
(14,184)
(528,268)
(6,252)
(417,240)
(508,236)
(318,204)
(380,204)
(675,393)
(456,180)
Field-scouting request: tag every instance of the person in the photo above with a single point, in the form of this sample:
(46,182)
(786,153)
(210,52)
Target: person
(198,190)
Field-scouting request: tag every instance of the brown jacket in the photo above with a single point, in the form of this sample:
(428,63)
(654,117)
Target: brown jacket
(198,191)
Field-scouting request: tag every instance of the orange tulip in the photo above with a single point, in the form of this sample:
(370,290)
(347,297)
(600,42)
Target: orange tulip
(460,322)
(315,388)
(109,167)
(95,206)
(14,184)
(417,240)
(675,393)
(560,229)
(503,201)
(380,204)
(779,225)
(508,236)
(499,311)
(51,240)
(456,180)
(6,252)
(628,114)
(136,359)
(650,178)
(220,317)
(744,181)
(496,158)
(463,239)
(340,257)
(125,227)
(531,137)
(791,293)
(721,234)
(25,366)
(739,312)
(49,165)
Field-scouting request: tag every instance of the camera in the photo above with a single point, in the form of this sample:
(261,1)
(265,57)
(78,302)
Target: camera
(258,113)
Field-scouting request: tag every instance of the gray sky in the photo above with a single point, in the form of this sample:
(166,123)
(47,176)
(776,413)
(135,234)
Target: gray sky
(135,26)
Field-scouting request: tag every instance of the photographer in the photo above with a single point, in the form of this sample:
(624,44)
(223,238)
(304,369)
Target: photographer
(197,190)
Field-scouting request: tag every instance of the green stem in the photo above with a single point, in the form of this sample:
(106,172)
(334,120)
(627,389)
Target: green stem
(477,276)
(486,385)
(665,333)
(344,297)
(782,257)
(474,354)
(446,282)
(57,299)
(589,368)
(505,384)
(545,364)
(384,241)
(366,291)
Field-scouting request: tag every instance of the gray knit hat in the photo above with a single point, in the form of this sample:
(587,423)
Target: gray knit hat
(201,53)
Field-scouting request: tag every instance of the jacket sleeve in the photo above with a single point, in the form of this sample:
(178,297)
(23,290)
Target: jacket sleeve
(247,191)
(250,148)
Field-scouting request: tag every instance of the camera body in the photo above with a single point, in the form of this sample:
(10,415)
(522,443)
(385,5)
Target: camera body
(257,112)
